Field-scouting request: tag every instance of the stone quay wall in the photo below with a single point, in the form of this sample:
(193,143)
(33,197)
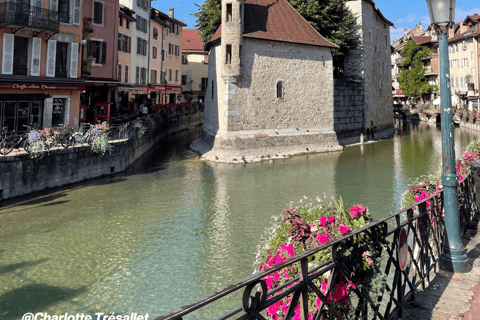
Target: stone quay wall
(349,110)
(22,175)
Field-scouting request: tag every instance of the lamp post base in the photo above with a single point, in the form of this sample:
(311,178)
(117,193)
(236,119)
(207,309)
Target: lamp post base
(454,261)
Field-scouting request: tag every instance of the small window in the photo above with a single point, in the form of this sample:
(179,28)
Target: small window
(97,12)
(170,74)
(127,24)
(228,57)
(184,79)
(184,59)
(280,90)
(126,73)
(229,12)
(119,72)
(120,22)
(176,75)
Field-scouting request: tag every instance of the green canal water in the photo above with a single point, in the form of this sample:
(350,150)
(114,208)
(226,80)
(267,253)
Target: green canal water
(173,229)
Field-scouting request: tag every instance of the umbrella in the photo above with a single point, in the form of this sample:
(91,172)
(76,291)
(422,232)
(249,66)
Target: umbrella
(436,101)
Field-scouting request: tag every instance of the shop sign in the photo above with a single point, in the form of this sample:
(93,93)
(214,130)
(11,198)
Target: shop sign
(168,88)
(28,87)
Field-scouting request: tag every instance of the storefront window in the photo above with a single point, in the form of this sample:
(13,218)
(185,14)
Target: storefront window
(36,115)
(58,111)
(9,112)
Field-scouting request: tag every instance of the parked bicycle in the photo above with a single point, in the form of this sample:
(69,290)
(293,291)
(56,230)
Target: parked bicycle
(81,137)
(65,135)
(14,140)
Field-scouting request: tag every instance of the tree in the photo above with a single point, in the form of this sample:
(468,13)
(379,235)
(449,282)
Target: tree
(331,18)
(209,18)
(412,78)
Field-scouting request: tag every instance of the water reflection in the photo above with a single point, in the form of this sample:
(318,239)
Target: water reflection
(173,229)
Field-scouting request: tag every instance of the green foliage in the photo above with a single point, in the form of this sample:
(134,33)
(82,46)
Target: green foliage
(331,18)
(209,17)
(412,79)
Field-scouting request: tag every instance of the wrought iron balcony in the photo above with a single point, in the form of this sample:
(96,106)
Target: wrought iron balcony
(24,15)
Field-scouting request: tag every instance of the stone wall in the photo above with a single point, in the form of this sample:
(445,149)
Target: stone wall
(349,110)
(370,62)
(22,175)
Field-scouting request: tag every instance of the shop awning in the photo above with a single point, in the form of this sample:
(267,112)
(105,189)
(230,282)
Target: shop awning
(96,83)
(171,88)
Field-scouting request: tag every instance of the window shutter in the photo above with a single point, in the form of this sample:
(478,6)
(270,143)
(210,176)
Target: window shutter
(54,5)
(47,112)
(7,59)
(104,52)
(77,4)
(128,44)
(36,56)
(73,60)
(51,54)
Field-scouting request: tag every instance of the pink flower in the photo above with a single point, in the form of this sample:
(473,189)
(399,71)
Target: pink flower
(275,276)
(344,229)
(324,286)
(323,220)
(269,282)
(352,284)
(318,302)
(323,238)
(357,209)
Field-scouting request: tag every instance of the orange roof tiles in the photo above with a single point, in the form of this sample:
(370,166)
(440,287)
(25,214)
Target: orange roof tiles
(276,20)
(191,40)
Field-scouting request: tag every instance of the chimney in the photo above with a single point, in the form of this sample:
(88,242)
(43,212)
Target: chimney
(405,31)
(170,12)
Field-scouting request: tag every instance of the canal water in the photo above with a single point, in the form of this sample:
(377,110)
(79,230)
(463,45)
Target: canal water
(173,229)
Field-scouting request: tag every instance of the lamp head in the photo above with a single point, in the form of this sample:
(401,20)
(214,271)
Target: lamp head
(442,12)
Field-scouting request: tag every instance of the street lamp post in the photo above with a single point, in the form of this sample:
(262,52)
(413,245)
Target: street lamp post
(453,257)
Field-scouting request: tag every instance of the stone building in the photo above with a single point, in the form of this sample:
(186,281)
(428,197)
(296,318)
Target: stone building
(270,90)
(369,63)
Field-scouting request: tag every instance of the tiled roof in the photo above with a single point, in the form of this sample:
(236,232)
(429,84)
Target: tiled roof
(191,40)
(474,18)
(421,40)
(276,20)
(457,37)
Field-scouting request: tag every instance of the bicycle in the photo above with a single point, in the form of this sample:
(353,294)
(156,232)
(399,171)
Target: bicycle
(65,136)
(80,137)
(14,140)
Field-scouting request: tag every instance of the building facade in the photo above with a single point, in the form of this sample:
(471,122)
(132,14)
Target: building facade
(463,48)
(40,78)
(138,70)
(370,63)
(194,67)
(126,23)
(102,82)
(172,58)
(270,85)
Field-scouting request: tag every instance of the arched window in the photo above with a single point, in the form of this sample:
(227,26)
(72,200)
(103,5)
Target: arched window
(280,89)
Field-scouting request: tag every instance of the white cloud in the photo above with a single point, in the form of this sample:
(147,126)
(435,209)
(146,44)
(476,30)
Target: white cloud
(461,14)
(411,17)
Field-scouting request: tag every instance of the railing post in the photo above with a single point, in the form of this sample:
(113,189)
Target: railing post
(304,294)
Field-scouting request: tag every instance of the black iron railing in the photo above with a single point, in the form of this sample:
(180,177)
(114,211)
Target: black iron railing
(424,230)
(24,15)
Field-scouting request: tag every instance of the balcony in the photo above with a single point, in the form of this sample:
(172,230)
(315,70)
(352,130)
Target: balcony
(25,16)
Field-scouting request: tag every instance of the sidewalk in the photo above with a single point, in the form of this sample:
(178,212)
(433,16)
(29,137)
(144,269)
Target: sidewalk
(449,295)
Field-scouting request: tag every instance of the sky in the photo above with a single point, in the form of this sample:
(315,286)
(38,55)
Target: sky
(403,13)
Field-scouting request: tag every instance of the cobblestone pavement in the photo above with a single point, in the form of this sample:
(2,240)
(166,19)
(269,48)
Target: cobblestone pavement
(452,295)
